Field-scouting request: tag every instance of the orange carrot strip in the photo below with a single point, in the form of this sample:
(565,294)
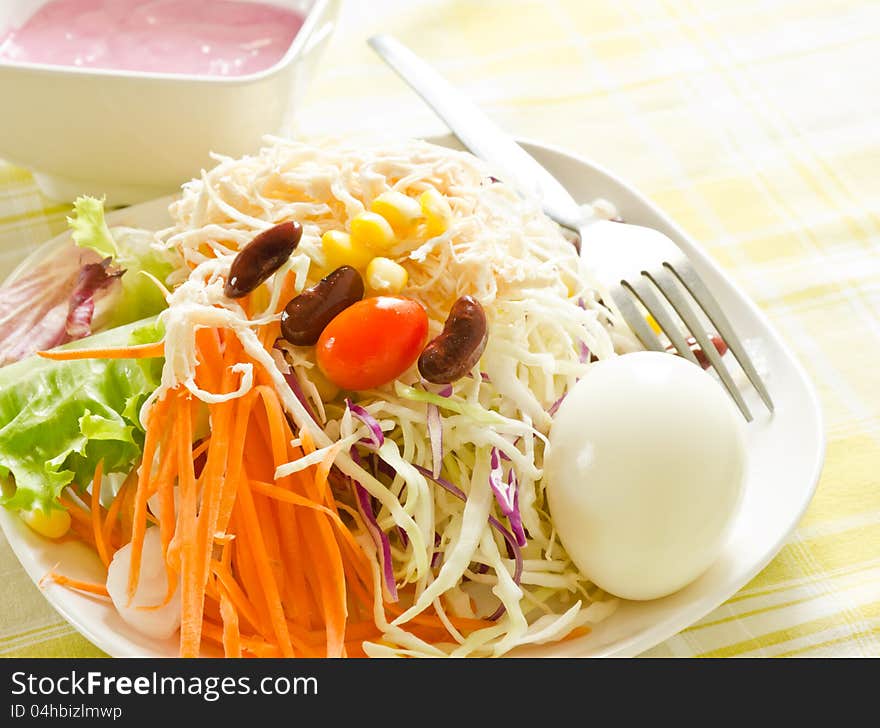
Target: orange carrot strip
(201,448)
(235,447)
(229,450)
(234,592)
(269,526)
(355,631)
(269,334)
(273,429)
(96,514)
(308,444)
(261,558)
(139,520)
(245,567)
(429,619)
(215,476)
(112,519)
(210,367)
(254,645)
(231,635)
(163,486)
(139,351)
(113,511)
(167,464)
(298,607)
(192,587)
(83,586)
(326,557)
(322,475)
(126,514)
(79,531)
(273,491)
(76,511)
(167,508)
(226,552)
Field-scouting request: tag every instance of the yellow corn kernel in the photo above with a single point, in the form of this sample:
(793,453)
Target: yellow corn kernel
(371,230)
(340,250)
(400,211)
(652,322)
(53,523)
(386,276)
(437,212)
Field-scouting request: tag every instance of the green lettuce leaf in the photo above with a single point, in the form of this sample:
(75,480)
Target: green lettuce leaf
(131,250)
(59,419)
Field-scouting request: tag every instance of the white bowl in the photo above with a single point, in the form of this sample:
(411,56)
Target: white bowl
(785,455)
(134,136)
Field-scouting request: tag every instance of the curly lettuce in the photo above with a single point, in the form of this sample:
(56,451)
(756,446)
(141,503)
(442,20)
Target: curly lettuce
(130,249)
(59,419)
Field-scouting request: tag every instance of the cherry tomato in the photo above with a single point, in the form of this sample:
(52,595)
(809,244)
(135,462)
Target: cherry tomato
(372,342)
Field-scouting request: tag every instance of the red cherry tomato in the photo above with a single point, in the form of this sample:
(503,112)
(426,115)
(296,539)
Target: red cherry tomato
(372,342)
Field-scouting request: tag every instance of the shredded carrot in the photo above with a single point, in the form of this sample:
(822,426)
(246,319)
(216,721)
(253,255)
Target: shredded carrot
(210,366)
(100,543)
(270,334)
(75,509)
(139,519)
(167,518)
(244,566)
(308,444)
(77,585)
(192,592)
(231,634)
(139,351)
(235,594)
(110,521)
(201,449)
(266,513)
(273,491)
(126,515)
(267,567)
(254,645)
(288,288)
(264,572)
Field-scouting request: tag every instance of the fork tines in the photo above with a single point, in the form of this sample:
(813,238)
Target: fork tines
(672,287)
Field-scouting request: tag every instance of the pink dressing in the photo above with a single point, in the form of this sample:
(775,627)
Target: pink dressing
(204,37)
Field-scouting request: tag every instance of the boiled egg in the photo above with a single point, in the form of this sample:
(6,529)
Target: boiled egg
(644,473)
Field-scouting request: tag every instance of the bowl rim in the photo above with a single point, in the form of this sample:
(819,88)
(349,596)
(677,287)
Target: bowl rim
(301,41)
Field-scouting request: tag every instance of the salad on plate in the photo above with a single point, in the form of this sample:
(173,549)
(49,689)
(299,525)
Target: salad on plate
(310,417)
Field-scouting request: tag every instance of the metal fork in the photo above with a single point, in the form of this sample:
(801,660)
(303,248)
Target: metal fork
(640,264)
(635,263)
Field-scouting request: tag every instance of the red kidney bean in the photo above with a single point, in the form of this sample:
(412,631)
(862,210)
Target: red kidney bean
(455,352)
(261,257)
(307,315)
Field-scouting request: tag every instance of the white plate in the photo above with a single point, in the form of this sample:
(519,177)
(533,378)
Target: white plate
(785,458)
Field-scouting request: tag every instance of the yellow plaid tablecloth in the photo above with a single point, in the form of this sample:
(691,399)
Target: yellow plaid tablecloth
(754,124)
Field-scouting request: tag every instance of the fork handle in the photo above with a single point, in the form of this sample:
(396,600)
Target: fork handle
(481,135)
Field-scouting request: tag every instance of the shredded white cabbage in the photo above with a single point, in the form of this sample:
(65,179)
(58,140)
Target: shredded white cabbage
(546,320)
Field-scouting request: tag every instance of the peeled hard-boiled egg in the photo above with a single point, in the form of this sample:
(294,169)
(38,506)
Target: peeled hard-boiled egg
(644,472)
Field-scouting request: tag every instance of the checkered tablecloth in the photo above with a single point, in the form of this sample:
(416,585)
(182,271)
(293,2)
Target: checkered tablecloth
(754,124)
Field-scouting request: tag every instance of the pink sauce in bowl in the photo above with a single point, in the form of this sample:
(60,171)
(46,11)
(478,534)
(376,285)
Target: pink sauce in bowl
(192,37)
